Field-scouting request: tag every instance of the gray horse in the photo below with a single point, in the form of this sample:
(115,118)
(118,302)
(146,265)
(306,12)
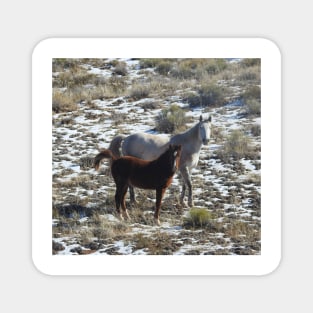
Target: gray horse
(149,147)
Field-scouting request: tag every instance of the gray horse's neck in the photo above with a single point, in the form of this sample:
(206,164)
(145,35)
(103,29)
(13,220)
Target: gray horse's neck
(191,136)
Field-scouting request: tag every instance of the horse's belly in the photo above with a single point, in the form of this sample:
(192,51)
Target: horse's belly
(191,162)
(150,182)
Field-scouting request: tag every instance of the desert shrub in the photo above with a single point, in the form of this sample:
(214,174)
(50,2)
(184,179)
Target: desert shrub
(150,105)
(82,78)
(237,146)
(251,98)
(138,92)
(207,95)
(214,66)
(188,68)
(61,80)
(73,79)
(197,67)
(116,84)
(107,230)
(197,217)
(250,62)
(99,92)
(149,63)
(248,74)
(62,64)
(170,119)
(120,68)
(256,130)
(252,92)
(62,102)
(164,67)
(212,94)
(249,71)
(95,62)
(192,98)
(185,69)
(56,247)
(162,87)
(253,107)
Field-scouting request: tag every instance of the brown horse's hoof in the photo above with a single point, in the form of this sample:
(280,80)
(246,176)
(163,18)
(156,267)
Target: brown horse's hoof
(157,221)
(127,215)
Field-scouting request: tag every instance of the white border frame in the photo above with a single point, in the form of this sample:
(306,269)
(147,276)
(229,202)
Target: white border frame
(42,57)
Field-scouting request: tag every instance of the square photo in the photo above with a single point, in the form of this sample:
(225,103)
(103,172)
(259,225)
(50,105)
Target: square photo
(156,158)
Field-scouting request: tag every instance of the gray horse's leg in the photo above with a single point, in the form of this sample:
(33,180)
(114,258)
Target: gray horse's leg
(186,181)
(132,194)
(182,195)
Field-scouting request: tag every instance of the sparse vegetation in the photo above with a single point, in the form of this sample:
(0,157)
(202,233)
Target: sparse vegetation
(197,68)
(252,100)
(198,217)
(139,91)
(256,130)
(164,67)
(90,109)
(63,102)
(237,146)
(208,94)
(253,107)
(171,120)
(120,69)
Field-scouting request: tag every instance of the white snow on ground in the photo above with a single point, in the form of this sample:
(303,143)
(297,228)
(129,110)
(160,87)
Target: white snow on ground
(104,132)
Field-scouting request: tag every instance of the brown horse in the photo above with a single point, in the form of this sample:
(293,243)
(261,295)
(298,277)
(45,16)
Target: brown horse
(131,171)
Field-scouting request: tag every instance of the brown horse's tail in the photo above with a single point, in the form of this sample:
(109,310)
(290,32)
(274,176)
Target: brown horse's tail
(104,154)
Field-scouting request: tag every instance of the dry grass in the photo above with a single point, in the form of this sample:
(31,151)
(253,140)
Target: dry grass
(198,82)
(63,102)
(237,146)
(210,78)
(158,244)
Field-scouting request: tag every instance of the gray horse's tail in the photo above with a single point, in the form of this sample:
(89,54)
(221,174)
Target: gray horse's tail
(115,146)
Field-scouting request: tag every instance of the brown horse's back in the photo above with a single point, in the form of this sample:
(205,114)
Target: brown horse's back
(139,173)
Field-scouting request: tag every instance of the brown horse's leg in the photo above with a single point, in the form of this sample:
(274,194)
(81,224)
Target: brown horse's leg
(125,211)
(119,199)
(118,203)
(159,196)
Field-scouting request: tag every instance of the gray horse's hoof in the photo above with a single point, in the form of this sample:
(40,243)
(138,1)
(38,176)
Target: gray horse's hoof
(183,204)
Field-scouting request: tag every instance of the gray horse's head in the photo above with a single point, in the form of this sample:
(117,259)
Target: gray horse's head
(205,129)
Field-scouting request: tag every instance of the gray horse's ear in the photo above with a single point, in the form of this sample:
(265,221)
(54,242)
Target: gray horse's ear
(200,119)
